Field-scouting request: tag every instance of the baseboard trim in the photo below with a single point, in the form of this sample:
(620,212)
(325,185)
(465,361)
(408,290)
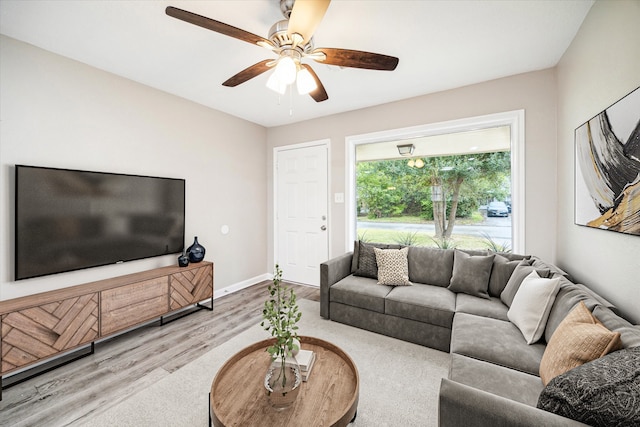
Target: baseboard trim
(241,285)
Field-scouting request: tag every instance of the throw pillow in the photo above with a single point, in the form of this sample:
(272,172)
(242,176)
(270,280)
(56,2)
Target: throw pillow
(367,266)
(471,274)
(356,254)
(604,392)
(393,267)
(500,273)
(532,304)
(580,338)
(521,271)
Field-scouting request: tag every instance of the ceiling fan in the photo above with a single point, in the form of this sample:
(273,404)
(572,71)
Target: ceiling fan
(292,41)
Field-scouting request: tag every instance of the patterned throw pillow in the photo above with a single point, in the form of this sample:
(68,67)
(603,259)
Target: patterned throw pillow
(393,267)
(580,338)
(367,266)
(364,263)
(604,392)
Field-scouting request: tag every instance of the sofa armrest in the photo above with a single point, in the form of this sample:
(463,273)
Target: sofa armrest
(464,406)
(331,272)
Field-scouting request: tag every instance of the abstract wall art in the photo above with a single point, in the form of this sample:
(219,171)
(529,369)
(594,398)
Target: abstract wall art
(607,168)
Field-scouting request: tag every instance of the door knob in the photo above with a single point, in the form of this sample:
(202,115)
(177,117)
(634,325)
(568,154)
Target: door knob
(323,228)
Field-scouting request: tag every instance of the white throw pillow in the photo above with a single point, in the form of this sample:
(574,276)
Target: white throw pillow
(532,304)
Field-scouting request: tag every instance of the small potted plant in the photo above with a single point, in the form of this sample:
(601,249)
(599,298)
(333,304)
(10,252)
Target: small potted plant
(281,314)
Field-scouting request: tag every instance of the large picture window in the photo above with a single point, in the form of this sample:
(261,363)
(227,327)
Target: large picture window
(460,200)
(453,184)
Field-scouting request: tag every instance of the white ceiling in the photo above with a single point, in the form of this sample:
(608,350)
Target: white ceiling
(441,45)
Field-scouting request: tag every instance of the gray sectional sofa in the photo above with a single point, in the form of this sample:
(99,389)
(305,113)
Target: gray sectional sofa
(459,302)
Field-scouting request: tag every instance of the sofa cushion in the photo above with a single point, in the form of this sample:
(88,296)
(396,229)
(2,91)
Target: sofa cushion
(471,274)
(360,292)
(425,303)
(629,334)
(393,269)
(604,392)
(555,270)
(474,252)
(430,266)
(568,297)
(494,341)
(498,380)
(601,300)
(521,271)
(579,339)
(511,256)
(500,274)
(491,307)
(532,304)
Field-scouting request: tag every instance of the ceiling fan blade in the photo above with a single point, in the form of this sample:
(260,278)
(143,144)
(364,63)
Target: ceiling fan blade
(248,73)
(319,94)
(356,59)
(217,26)
(305,18)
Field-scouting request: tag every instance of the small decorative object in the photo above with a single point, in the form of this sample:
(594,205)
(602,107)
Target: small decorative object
(281,313)
(183,260)
(196,251)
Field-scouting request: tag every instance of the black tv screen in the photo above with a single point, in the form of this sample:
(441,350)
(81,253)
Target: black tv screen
(68,220)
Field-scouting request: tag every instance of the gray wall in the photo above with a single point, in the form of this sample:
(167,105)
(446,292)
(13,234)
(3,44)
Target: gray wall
(601,66)
(60,113)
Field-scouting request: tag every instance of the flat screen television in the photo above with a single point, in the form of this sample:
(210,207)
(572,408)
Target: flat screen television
(68,220)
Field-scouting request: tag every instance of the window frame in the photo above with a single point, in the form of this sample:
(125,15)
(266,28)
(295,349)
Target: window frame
(514,119)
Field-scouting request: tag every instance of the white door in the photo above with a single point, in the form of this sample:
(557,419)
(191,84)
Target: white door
(302,241)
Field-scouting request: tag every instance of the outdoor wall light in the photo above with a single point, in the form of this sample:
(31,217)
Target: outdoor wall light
(406,149)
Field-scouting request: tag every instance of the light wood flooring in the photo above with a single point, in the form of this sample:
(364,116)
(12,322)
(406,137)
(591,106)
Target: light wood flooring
(125,364)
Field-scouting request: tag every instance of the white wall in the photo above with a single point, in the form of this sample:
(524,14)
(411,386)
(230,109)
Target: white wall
(601,66)
(534,92)
(60,113)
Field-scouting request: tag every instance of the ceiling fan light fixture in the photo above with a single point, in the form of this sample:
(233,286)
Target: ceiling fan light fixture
(305,82)
(286,70)
(275,84)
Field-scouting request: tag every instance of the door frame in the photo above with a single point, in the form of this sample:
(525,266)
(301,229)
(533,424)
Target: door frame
(515,119)
(276,151)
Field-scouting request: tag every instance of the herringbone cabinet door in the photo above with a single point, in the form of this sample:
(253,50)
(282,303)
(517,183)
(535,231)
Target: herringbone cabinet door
(191,286)
(34,333)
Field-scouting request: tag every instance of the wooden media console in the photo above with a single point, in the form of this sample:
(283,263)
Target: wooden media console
(42,326)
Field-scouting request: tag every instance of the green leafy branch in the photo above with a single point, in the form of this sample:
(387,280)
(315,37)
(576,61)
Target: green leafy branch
(281,314)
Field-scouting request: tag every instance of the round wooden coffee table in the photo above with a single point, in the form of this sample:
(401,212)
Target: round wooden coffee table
(328,398)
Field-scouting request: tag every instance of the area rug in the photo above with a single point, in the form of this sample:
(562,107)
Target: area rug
(399,381)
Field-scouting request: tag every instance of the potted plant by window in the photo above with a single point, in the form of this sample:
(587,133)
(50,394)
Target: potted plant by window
(280,315)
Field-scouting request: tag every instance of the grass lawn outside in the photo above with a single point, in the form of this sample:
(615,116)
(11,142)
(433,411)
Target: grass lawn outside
(462,241)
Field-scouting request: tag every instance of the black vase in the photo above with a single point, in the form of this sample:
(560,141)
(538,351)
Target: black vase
(183,260)
(195,251)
